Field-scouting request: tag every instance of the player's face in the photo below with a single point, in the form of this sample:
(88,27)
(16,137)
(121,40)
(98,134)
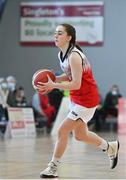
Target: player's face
(61,37)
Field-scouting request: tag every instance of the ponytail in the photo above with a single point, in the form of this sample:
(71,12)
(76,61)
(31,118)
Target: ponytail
(78,47)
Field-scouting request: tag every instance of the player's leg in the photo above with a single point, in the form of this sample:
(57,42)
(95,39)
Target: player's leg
(63,134)
(83,134)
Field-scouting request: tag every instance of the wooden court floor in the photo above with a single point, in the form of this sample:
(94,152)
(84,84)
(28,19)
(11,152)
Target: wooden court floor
(25,158)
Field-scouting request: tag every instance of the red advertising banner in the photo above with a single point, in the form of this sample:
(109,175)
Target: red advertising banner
(122,116)
(39,20)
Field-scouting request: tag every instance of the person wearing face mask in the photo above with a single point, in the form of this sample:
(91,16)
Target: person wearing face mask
(110,105)
(19,99)
(11,81)
(4,92)
(109,108)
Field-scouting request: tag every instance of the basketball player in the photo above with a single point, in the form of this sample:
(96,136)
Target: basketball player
(84,99)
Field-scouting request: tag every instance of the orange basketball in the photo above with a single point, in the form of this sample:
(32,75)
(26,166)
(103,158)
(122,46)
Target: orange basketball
(41,76)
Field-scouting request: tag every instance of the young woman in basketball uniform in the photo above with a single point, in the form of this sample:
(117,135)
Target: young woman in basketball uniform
(84,99)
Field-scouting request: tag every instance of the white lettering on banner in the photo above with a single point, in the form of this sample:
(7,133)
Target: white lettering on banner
(41,11)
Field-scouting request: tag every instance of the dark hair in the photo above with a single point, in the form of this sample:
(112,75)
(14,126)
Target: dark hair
(71,32)
(20,88)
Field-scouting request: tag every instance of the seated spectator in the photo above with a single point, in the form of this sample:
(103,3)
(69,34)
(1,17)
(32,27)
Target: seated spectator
(40,117)
(19,99)
(11,81)
(40,103)
(110,105)
(48,109)
(4,91)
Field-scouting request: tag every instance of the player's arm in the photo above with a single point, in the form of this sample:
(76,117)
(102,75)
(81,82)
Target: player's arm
(61,78)
(76,72)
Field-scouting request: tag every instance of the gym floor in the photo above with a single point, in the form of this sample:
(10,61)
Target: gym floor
(24,158)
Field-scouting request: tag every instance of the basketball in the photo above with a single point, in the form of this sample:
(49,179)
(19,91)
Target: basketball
(42,76)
